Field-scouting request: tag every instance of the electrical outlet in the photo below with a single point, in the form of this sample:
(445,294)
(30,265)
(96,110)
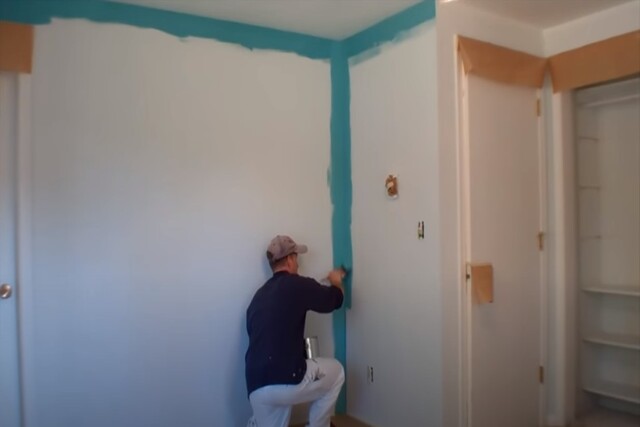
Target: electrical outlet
(370,374)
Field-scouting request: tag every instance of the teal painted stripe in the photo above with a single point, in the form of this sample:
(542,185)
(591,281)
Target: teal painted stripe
(389,29)
(340,339)
(341,195)
(341,163)
(178,24)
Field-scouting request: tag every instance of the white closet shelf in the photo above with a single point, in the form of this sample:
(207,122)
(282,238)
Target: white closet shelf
(631,291)
(587,138)
(589,187)
(624,392)
(631,342)
(612,100)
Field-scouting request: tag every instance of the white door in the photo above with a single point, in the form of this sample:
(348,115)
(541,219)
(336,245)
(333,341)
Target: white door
(9,383)
(501,221)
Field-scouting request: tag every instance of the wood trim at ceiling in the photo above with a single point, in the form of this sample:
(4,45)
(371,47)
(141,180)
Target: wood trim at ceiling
(609,59)
(606,60)
(500,63)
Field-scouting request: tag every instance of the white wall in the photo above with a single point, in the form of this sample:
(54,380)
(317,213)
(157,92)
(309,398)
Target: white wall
(161,168)
(394,324)
(592,28)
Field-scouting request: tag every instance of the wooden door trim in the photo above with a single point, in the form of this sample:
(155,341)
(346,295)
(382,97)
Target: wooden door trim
(544,252)
(464,236)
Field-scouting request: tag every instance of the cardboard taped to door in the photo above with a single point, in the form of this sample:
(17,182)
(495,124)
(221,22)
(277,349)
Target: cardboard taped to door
(481,275)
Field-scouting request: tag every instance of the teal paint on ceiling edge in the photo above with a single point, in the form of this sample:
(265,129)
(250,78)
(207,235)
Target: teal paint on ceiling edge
(390,28)
(341,196)
(178,24)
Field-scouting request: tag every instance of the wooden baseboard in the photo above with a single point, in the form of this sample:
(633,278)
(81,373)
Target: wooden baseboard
(342,421)
(347,421)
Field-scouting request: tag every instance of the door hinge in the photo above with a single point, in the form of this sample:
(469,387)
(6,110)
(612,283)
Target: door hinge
(540,241)
(541,374)
(538,107)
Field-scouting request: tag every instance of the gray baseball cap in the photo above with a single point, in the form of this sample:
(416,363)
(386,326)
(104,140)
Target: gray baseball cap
(281,246)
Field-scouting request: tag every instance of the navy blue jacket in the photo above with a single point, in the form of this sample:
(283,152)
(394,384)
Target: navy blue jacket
(275,323)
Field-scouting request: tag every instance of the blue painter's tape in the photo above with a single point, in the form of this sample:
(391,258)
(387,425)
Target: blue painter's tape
(178,24)
(341,195)
(390,28)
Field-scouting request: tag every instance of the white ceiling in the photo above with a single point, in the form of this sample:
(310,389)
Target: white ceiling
(543,13)
(337,19)
(334,19)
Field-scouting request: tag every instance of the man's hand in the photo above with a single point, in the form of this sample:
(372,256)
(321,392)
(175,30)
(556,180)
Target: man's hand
(335,278)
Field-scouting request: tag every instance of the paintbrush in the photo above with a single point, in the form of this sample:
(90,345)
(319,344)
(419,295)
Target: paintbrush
(346,270)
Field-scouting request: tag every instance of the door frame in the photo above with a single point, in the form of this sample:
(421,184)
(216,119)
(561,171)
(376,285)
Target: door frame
(10,393)
(23,244)
(565,270)
(464,245)
(20,186)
